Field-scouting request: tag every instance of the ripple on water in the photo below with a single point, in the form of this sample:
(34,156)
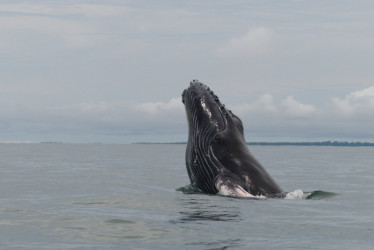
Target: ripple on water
(120,221)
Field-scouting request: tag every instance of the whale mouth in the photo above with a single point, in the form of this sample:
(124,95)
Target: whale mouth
(203,107)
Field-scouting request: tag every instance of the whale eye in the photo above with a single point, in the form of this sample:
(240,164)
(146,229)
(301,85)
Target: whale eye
(218,138)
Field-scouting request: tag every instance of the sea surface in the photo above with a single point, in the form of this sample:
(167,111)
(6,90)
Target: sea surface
(83,196)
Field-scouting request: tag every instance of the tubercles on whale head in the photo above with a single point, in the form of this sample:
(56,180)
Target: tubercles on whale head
(199,100)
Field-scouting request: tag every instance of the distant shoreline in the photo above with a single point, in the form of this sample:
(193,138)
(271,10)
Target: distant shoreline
(322,143)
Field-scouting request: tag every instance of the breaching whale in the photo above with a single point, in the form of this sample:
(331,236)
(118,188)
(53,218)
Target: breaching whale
(218,160)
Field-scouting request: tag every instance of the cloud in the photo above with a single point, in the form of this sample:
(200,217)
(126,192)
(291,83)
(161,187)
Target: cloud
(123,117)
(73,25)
(294,108)
(355,106)
(358,104)
(156,108)
(288,107)
(265,104)
(107,27)
(91,10)
(262,118)
(255,43)
(72,34)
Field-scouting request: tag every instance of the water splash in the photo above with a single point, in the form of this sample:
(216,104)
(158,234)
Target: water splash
(314,195)
(189,189)
(296,195)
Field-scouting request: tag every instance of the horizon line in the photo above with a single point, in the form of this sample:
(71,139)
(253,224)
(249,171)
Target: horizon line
(280,143)
(258,143)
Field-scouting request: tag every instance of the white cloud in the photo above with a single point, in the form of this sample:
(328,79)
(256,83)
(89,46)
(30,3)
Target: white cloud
(256,42)
(356,104)
(266,116)
(294,108)
(266,104)
(340,118)
(154,108)
(129,115)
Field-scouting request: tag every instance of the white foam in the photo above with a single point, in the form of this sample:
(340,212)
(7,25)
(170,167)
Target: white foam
(296,195)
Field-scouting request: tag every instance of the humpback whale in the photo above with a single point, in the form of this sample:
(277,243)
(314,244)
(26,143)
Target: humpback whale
(218,160)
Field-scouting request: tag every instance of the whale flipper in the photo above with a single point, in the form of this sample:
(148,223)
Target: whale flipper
(228,186)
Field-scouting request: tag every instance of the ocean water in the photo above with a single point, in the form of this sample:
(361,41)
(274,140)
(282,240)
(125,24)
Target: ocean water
(71,196)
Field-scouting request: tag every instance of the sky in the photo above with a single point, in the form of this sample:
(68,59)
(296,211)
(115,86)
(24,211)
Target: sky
(113,71)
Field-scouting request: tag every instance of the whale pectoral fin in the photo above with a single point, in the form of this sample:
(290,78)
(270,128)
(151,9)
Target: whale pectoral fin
(228,186)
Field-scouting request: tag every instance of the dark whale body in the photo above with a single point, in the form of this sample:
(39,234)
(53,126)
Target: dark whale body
(217,158)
